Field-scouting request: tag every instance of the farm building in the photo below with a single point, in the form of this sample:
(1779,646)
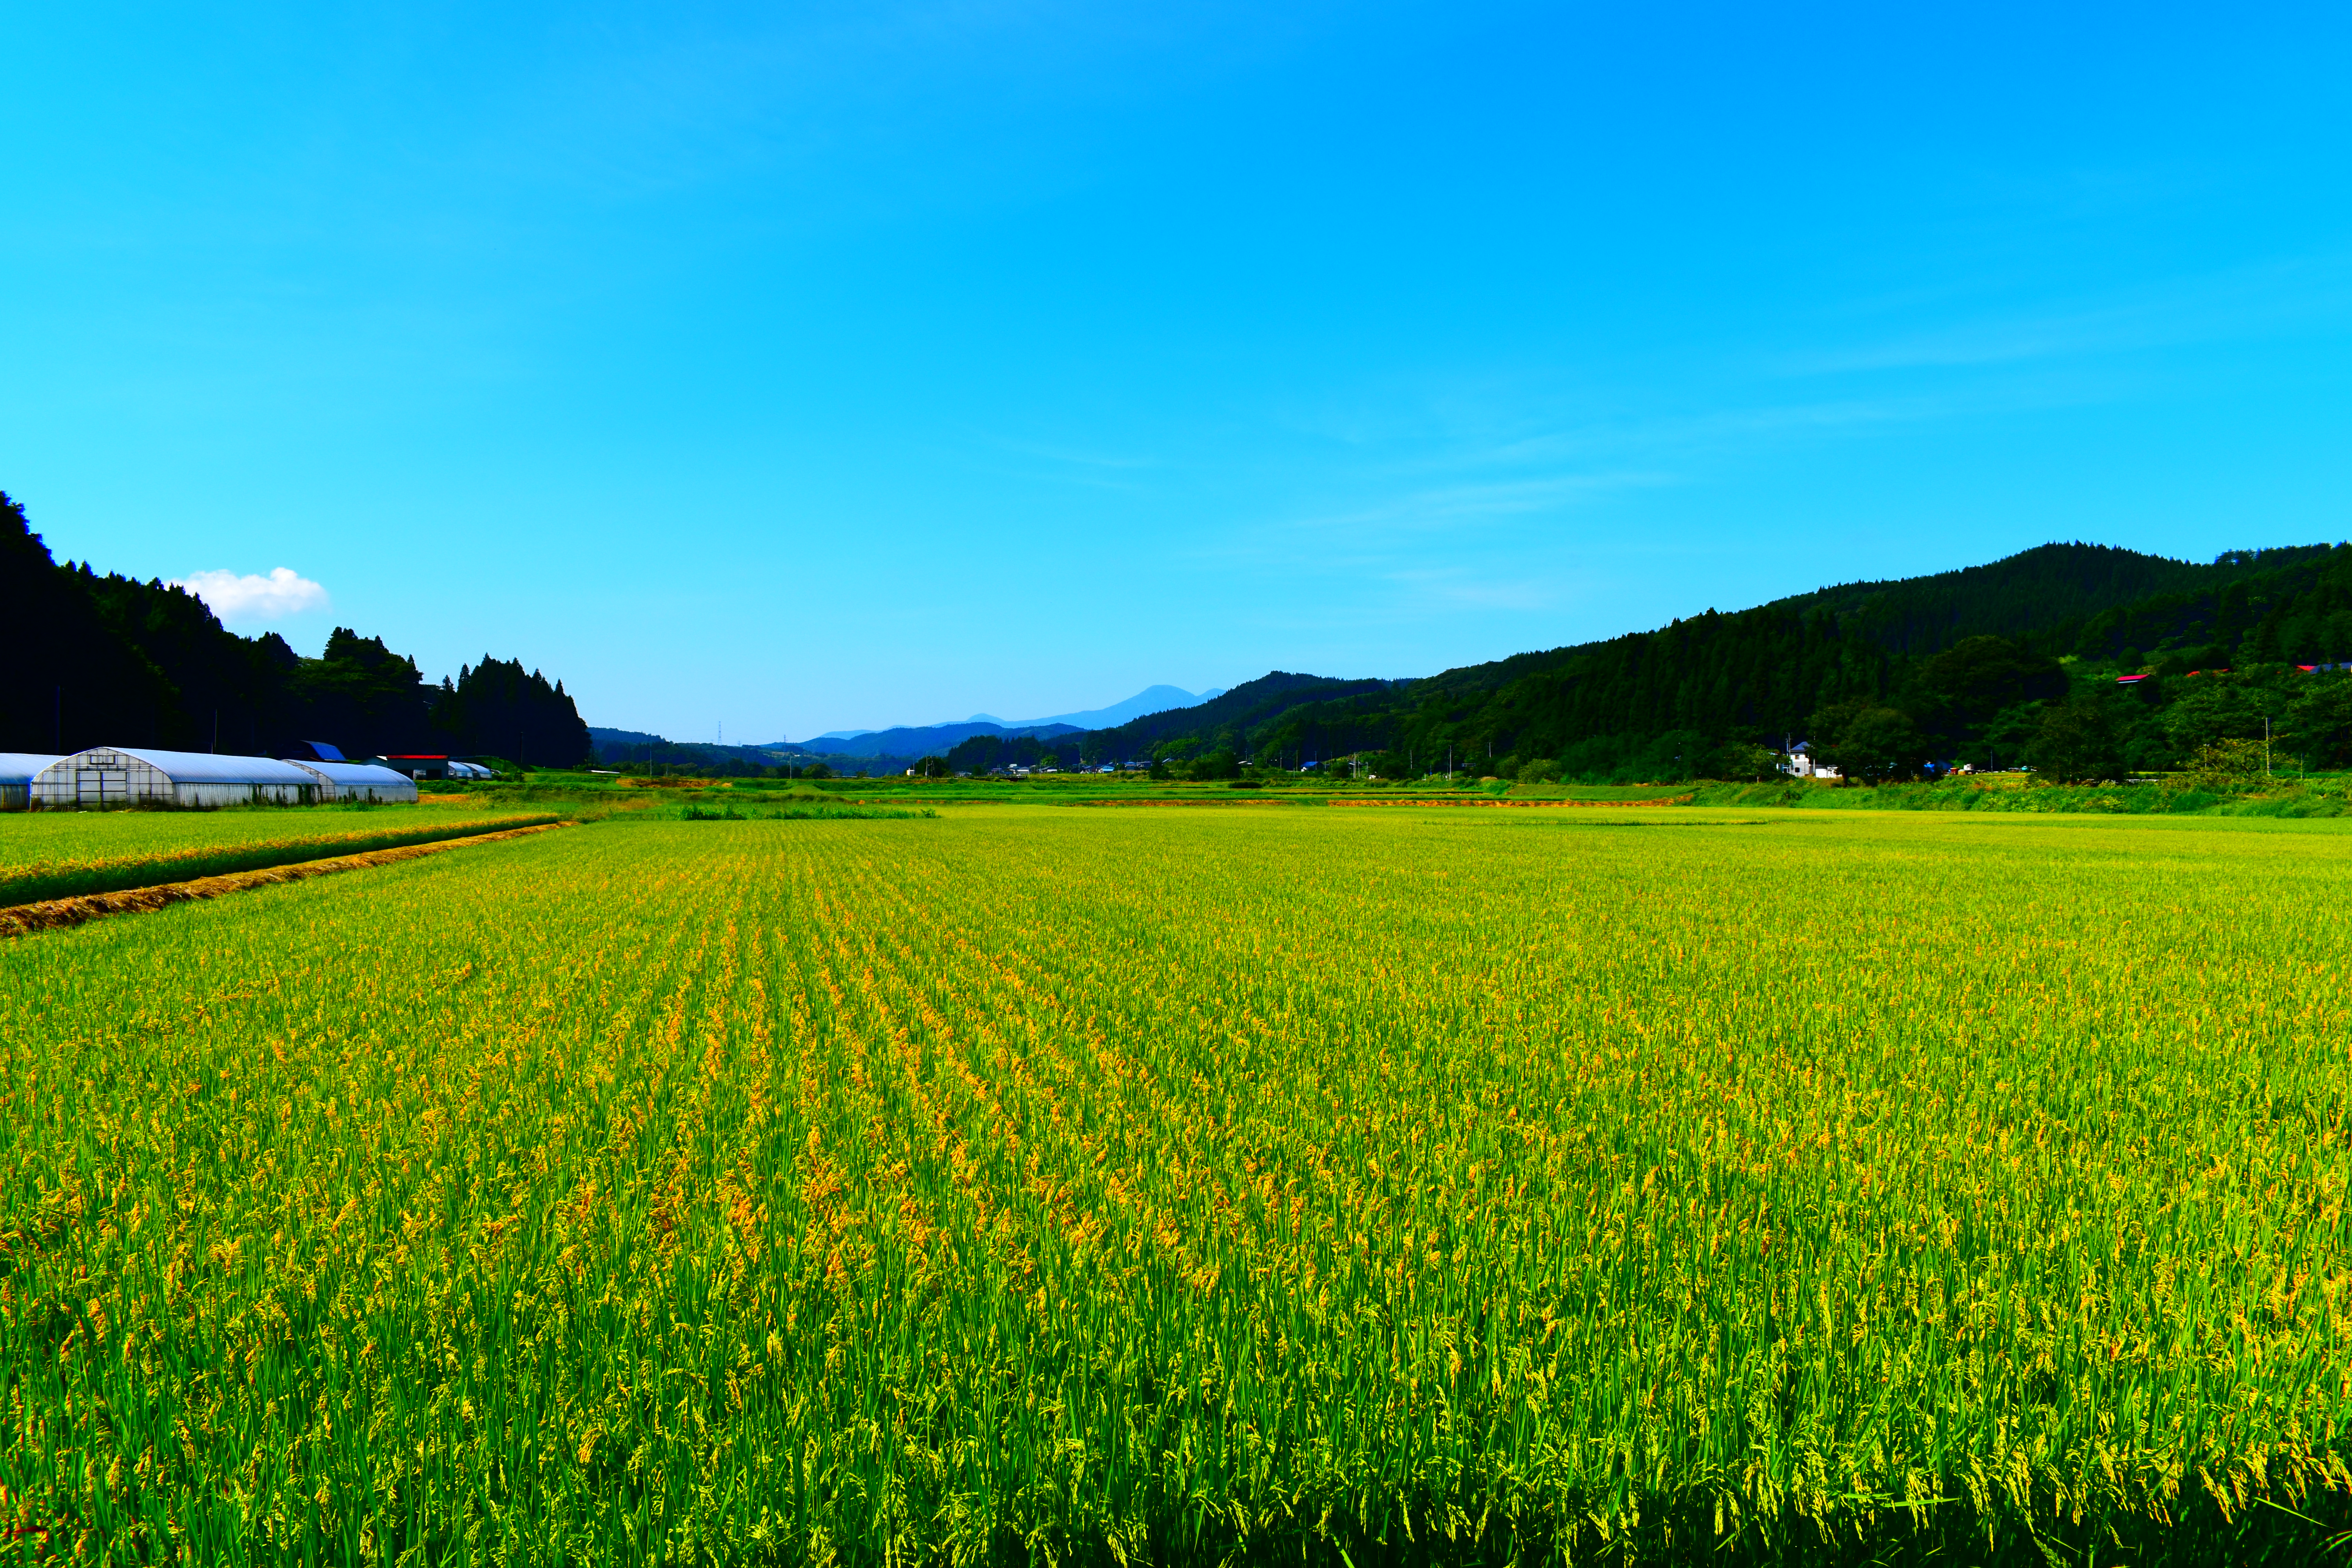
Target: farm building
(359,781)
(16,770)
(121,776)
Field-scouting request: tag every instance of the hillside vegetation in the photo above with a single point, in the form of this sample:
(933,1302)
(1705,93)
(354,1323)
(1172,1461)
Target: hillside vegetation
(2012,662)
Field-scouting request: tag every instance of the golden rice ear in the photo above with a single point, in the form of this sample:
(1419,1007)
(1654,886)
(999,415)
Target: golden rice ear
(1501,1174)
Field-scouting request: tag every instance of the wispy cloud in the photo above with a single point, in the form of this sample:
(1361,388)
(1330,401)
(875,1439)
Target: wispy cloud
(1508,501)
(1461,483)
(2294,294)
(1669,444)
(282,592)
(1076,457)
(1442,506)
(639,109)
(1459,450)
(1458,588)
(1059,464)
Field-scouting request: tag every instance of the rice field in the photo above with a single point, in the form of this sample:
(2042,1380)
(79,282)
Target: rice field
(61,854)
(1197,1185)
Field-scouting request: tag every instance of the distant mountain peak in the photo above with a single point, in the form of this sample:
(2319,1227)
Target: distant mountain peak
(1151,700)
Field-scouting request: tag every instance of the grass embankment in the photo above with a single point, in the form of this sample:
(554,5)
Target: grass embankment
(1190,1186)
(666,798)
(63,855)
(1631,795)
(2313,798)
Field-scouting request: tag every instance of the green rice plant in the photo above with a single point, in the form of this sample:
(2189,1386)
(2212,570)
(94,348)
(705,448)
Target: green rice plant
(798,811)
(1198,1185)
(27,837)
(67,854)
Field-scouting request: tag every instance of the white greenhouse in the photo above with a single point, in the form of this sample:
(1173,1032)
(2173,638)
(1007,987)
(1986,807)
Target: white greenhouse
(124,775)
(16,770)
(359,781)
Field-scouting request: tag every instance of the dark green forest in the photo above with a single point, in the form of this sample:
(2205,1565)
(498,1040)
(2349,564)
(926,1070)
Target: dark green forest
(2013,662)
(110,660)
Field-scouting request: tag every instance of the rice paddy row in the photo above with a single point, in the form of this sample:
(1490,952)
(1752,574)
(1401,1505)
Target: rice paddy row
(1171,1185)
(61,855)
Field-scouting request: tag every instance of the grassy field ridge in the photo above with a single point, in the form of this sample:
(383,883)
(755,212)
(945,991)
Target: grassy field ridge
(65,877)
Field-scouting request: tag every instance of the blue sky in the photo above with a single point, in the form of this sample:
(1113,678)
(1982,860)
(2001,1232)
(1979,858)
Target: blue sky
(806,366)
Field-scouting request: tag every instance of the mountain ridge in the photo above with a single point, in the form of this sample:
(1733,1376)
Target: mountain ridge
(1151,700)
(1662,702)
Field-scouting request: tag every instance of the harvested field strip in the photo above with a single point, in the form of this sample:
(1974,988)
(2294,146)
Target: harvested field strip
(56,913)
(1323,800)
(1212,800)
(1610,804)
(47,880)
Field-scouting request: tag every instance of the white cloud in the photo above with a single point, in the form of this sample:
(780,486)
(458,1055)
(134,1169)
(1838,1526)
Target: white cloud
(253,598)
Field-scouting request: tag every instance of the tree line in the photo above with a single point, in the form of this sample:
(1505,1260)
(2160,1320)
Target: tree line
(2012,663)
(110,661)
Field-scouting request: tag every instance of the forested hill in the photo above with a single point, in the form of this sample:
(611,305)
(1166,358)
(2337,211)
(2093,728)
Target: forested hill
(114,661)
(1224,722)
(1965,657)
(2041,594)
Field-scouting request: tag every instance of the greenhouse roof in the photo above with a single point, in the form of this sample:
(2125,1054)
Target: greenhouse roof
(349,774)
(205,767)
